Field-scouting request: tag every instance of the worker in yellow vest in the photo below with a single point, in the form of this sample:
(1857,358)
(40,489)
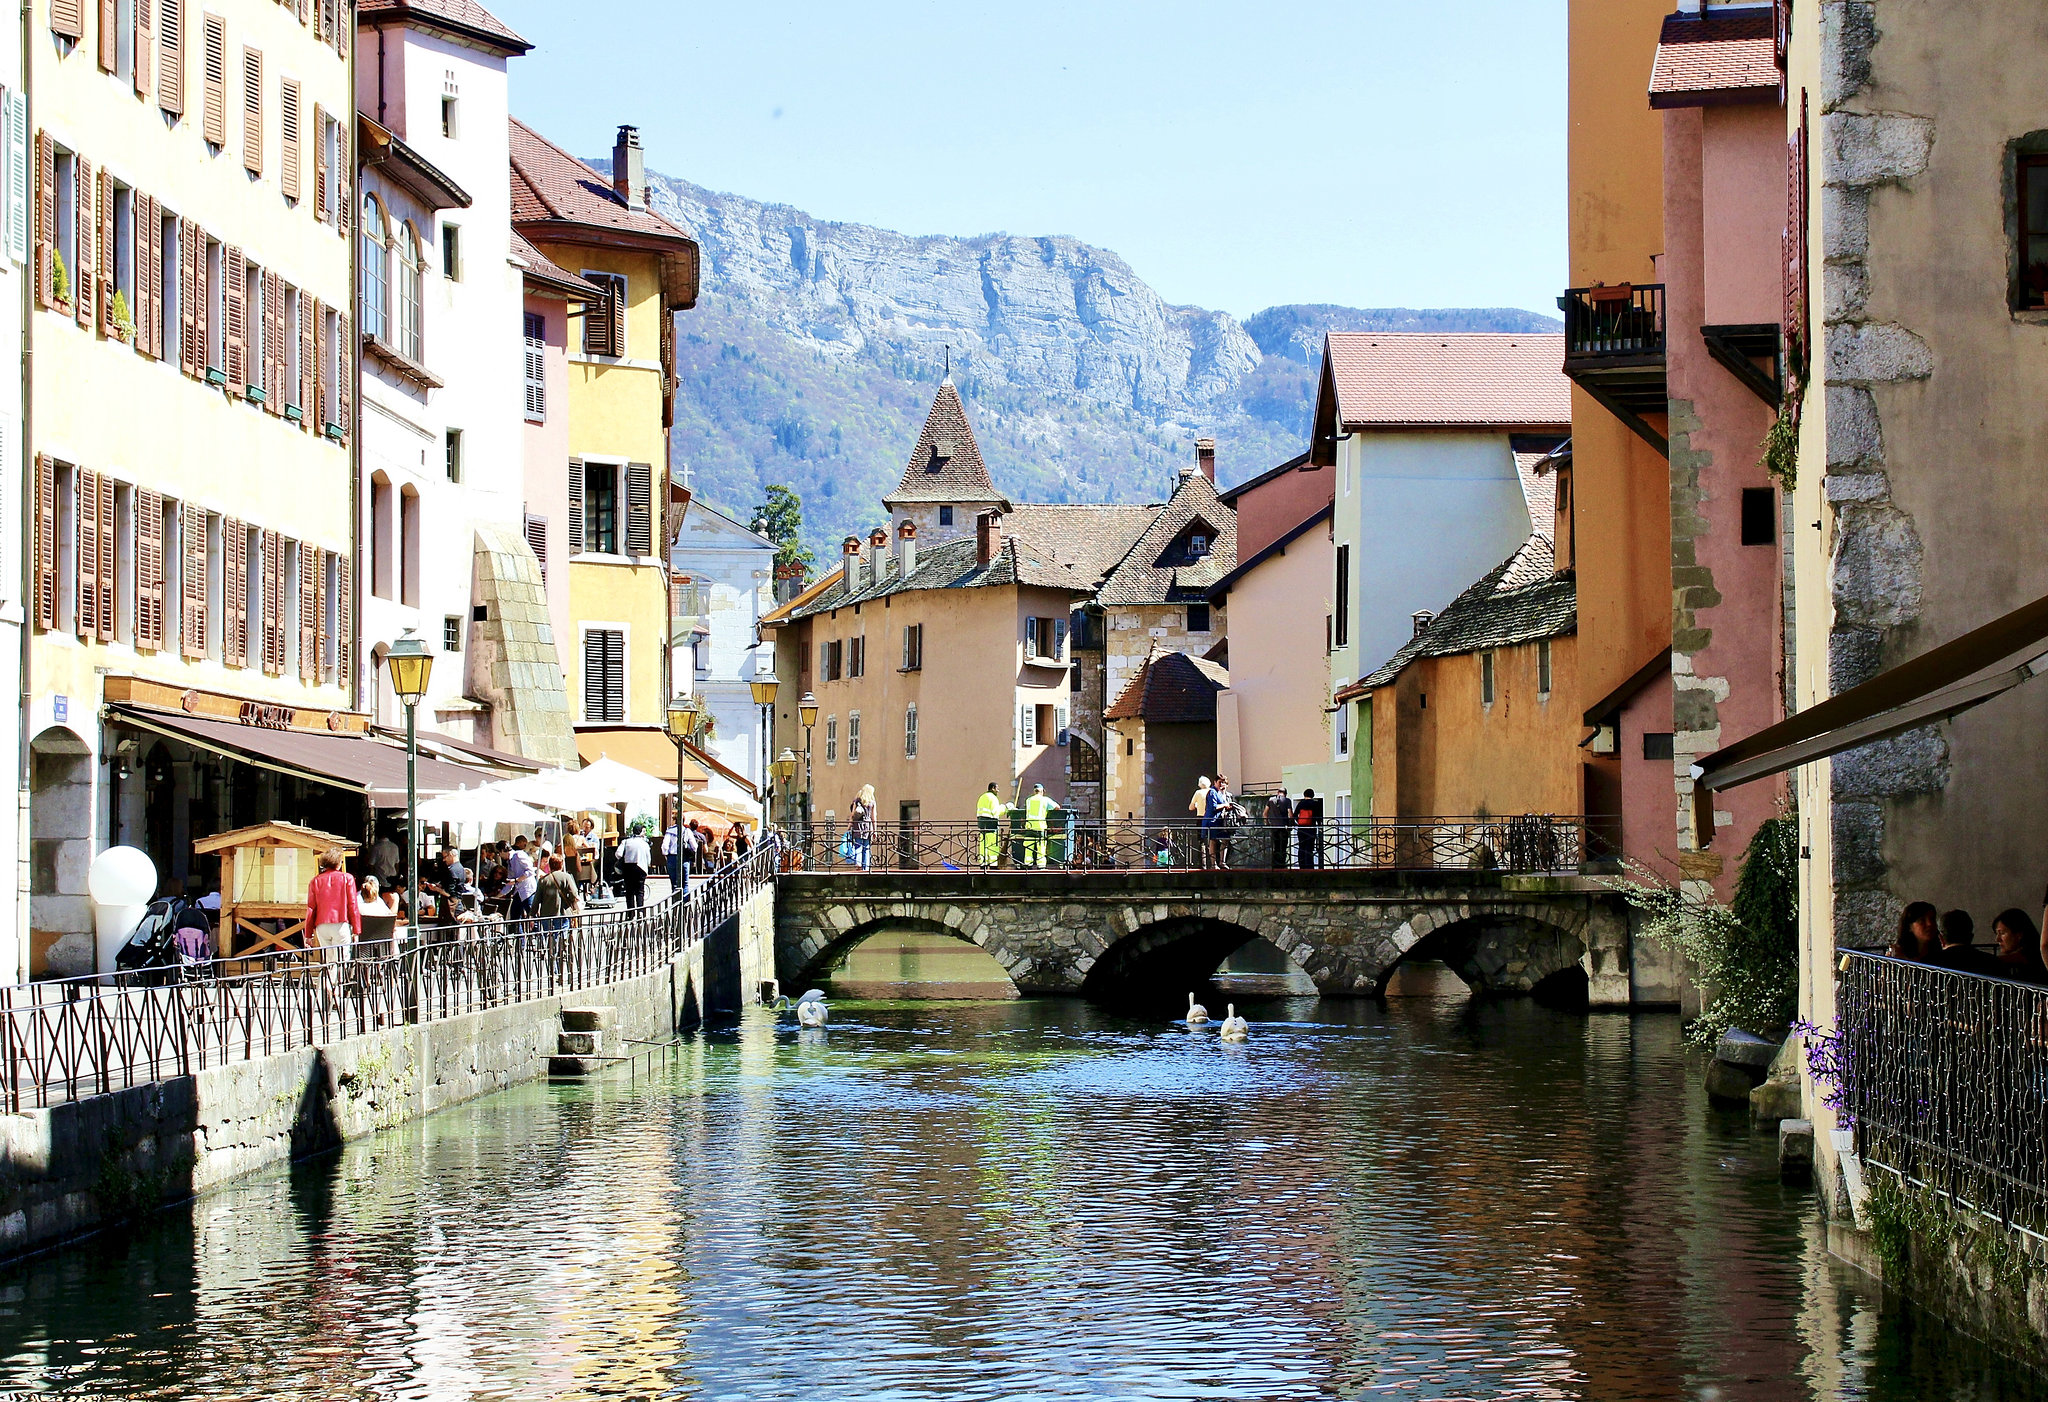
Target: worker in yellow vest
(988,817)
(1036,809)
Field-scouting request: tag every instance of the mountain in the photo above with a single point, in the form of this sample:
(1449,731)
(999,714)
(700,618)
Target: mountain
(814,349)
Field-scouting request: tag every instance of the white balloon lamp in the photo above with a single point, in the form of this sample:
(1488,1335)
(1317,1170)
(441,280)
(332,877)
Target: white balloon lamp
(121,882)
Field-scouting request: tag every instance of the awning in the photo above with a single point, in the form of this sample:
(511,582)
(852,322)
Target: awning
(357,762)
(1934,686)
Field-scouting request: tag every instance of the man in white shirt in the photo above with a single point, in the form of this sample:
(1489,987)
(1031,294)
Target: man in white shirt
(671,856)
(634,859)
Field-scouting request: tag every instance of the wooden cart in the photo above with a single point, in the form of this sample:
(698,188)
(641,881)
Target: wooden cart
(264,873)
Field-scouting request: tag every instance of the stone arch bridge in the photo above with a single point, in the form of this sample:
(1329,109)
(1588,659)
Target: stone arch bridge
(1145,933)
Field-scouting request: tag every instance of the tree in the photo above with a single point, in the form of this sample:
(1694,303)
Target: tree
(781,519)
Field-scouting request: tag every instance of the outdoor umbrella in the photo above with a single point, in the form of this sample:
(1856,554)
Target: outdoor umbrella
(480,806)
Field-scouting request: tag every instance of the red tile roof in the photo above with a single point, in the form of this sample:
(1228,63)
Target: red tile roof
(1715,58)
(464,18)
(1172,687)
(1475,379)
(537,267)
(946,464)
(550,185)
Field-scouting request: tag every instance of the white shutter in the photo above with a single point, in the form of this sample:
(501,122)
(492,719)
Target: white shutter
(17,176)
(1026,736)
(1060,720)
(1059,641)
(536,368)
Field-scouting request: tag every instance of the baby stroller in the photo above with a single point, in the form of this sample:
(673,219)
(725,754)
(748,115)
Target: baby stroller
(173,934)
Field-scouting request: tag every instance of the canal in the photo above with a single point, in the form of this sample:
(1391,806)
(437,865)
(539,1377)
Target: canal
(1021,1199)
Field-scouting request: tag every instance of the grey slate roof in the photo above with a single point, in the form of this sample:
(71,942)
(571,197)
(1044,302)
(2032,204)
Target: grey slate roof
(1144,577)
(1521,600)
(946,464)
(1090,540)
(951,565)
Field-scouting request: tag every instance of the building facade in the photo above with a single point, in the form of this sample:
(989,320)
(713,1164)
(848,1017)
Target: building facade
(725,583)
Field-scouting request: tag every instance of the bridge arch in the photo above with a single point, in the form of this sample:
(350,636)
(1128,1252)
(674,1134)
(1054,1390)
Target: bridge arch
(1163,956)
(832,956)
(1496,953)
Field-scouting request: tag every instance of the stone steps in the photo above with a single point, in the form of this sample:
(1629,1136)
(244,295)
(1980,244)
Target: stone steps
(580,1047)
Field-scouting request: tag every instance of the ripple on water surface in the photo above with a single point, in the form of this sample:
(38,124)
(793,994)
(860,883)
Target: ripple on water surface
(1020,1200)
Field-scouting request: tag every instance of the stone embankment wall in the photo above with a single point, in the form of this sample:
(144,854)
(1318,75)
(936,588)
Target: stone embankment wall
(75,1167)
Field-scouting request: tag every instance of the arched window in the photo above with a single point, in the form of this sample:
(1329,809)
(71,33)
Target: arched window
(376,269)
(411,273)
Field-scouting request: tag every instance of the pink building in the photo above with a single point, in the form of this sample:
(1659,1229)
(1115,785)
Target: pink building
(551,291)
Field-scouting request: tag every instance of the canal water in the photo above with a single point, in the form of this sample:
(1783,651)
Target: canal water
(1019,1200)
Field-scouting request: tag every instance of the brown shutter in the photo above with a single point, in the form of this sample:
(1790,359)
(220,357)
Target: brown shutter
(214,72)
(192,619)
(273,603)
(575,506)
(309,614)
(344,622)
(639,508)
(105,249)
(252,111)
(143,220)
(309,365)
(149,279)
(319,162)
(345,378)
(110,37)
(85,223)
(170,83)
(344,210)
(344,29)
(67,17)
(149,570)
(668,366)
(145,46)
(191,285)
(46,542)
(234,614)
(234,272)
(1796,229)
(288,138)
(273,343)
(88,551)
(615,315)
(109,549)
(46,220)
(322,405)
(537,541)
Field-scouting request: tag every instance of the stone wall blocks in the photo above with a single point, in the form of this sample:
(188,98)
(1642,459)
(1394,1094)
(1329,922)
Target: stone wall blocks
(1876,352)
(1875,574)
(1848,32)
(1858,831)
(954,917)
(1843,487)
(1855,435)
(1915,762)
(839,917)
(1845,291)
(1873,148)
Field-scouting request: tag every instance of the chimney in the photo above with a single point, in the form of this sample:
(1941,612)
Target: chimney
(629,168)
(906,548)
(1423,618)
(988,536)
(850,548)
(878,554)
(1205,458)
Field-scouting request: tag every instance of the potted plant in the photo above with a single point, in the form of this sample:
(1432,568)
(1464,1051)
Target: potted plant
(124,321)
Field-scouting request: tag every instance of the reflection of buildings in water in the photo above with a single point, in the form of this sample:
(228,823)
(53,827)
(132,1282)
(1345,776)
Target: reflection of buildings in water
(906,962)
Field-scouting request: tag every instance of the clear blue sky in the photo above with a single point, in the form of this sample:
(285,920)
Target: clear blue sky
(1365,152)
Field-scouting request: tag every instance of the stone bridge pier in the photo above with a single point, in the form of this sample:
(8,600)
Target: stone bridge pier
(1153,934)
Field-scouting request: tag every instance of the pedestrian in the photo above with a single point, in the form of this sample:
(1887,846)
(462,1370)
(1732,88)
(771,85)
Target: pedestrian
(1308,837)
(1198,806)
(634,859)
(1958,948)
(1919,936)
(1277,815)
(589,853)
(383,860)
(1037,809)
(332,919)
(988,812)
(556,897)
(2019,947)
(523,878)
(1215,820)
(742,840)
(860,826)
(672,852)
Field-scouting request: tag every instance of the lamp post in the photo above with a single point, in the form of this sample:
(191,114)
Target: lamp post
(764,697)
(785,777)
(685,718)
(807,712)
(410,664)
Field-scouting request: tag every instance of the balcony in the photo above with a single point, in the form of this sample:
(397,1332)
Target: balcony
(1614,351)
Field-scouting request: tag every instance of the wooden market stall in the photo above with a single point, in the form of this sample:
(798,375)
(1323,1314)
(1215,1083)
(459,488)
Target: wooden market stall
(264,873)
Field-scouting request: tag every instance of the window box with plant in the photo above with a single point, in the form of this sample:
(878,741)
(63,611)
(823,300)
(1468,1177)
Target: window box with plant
(124,320)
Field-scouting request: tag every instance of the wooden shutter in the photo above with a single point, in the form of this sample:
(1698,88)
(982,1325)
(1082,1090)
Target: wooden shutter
(309,614)
(604,675)
(274,344)
(109,553)
(46,220)
(46,542)
(143,217)
(67,17)
(273,603)
(639,509)
(344,622)
(575,506)
(214,66)
(149,570)
(288,138)
(323,411)
(319,163)
(110,37)
(309,365)
(85,224)
(105,249)
(192,614)
(344,27)
(345,377)
(615,314)
(234,613)
(252,111)
(668,366)
(1796,231)
(170,78)
(537,541)
(145,47)
(191,284)
(87,554)
(234,272)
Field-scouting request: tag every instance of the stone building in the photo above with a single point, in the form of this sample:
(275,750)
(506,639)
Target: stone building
(724,583)
(1161,731)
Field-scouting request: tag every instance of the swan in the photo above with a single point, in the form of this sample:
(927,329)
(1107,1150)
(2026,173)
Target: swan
(812,1012)
(1234,1028)
(1197,1014)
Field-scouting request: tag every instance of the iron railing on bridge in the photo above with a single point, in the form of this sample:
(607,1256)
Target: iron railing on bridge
(65,1038)
(1528,844)
(1944,1077)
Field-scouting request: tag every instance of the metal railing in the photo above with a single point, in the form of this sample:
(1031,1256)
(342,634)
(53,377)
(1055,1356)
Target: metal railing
(65,1038)
(1531,844)
(1613,321)
(1944,1077)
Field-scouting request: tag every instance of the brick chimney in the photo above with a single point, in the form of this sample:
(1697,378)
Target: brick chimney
(850,548)
(988,536)
(906,548)
(629,168)
(878,554)
(1205,458)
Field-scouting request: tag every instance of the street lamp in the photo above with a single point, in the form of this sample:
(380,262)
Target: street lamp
(807,712)
(685,718)
(410,664)
(764,685)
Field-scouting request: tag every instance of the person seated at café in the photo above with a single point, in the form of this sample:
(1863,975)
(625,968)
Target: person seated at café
(1958,950)
(1919,936)
(2019,947)
(372,900)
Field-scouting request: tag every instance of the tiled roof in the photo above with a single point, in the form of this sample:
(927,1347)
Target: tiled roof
(537,265)
(1521,600)
(1476,379)
(1087,540)
(1539,492)
(550,185)
(1715,57)
(1148,575)
(951,565)
(946,464)
(463,17)
(1172,687)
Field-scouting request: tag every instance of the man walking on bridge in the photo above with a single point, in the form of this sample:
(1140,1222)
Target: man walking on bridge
(1036,808)
(987,816)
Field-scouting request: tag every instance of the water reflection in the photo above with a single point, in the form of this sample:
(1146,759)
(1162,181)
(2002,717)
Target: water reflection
(1435,1198)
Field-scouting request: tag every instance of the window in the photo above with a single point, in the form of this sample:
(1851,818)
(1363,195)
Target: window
(913,647)
(293,348)
(1027,726)
(448,118)
(67,219)
(378,546)
(604,323)
(1045,724)
(252,111)
(124,40)
(376,265)
(214,69)
(945,515)
(1084,763)
(831,739)
(1343,730)
(1198,546)
(123,544)
(122,256)
(1760,515)
(168,304)
(408,547)
(1657,745)
(451,633)
(856,666)
(604,676)
(1543,669)
(453,447)
(2032,193)
(910,731)
(288,126)
(216,586)
(451,252)
(216,314)
(1198,618)
(601,508)
(257,358)
(853,737)
(1059,723)
(536,368)
(1343,596)
(1486,678)
(411,277)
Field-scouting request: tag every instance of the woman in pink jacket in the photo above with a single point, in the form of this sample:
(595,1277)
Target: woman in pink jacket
(333,919)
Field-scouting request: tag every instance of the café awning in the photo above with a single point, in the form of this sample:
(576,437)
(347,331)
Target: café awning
(1946,681)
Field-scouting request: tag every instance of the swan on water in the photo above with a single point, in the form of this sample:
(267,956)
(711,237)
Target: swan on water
(1234,1028)
(1196,1012)
(812,1012)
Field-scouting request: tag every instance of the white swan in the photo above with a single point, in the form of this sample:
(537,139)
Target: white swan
(1197,1014)
(812,1012)
(1234,1028)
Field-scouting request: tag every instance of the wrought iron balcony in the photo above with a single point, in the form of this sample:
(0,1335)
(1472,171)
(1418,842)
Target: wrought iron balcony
(1614,350)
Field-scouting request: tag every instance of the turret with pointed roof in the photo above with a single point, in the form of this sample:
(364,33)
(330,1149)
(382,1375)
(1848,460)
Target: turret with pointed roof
(946,484)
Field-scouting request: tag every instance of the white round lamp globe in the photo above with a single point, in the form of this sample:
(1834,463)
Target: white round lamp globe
(122,876)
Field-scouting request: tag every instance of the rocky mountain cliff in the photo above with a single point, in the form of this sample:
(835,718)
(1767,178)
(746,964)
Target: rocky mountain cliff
(815,347)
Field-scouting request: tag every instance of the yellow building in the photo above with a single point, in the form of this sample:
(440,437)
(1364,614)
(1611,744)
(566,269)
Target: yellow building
(192,404)
(622,508)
